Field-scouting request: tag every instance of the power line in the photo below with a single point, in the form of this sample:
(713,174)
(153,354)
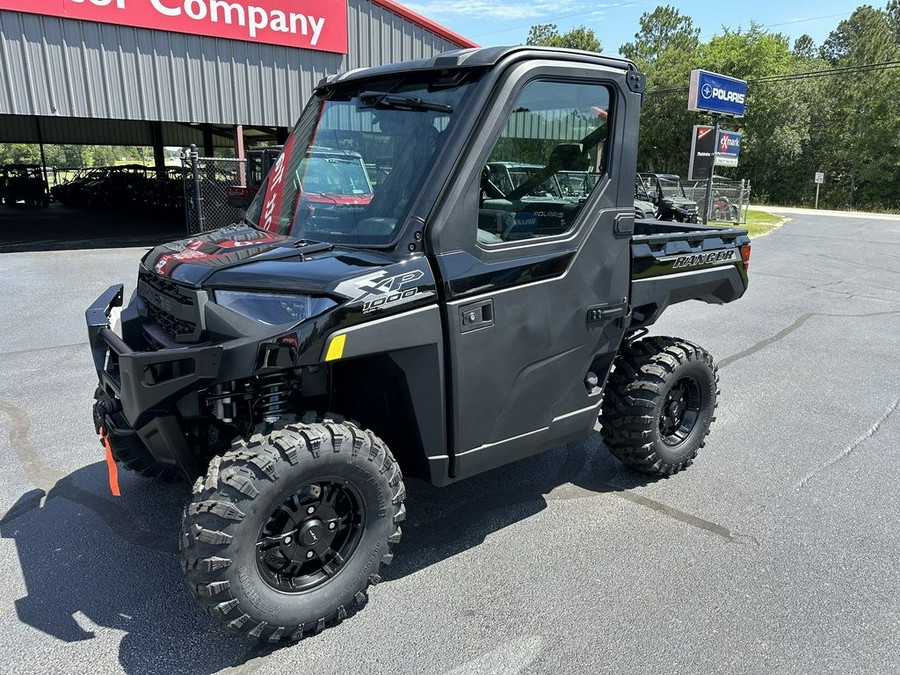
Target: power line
(842,70)
(791,22)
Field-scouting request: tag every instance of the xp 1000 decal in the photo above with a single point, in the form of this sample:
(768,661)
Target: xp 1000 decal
(380,290)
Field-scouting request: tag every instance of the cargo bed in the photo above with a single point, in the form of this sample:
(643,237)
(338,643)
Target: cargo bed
(673,262)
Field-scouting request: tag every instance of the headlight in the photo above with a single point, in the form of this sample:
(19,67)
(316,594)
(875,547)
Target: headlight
(273,308)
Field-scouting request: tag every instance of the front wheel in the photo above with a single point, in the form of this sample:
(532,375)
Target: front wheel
(659,403)
(288,529)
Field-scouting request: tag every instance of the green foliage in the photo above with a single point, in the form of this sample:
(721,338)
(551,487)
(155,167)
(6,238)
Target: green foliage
(74,156)
(804,48)
(548,35)
(857,135)
(666,49)
(663,30)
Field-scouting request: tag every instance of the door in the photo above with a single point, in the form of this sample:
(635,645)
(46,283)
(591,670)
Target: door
(537,292)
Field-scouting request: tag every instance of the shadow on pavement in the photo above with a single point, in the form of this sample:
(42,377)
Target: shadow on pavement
(126,576)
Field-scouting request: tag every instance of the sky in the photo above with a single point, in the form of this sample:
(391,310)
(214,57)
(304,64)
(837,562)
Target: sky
(503,22)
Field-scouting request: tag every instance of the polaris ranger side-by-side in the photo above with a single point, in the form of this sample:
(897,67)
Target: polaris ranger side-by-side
(667,194)
(298,364)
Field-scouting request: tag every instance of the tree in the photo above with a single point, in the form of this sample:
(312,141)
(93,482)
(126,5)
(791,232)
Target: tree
(548,35)
(666,49)
(663,29)
(804,48)
(860,121)
(892,11)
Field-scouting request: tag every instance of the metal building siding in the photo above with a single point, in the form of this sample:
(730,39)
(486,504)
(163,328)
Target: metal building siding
(55,66)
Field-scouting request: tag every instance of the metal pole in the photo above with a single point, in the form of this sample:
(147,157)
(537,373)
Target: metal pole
(709,181)
(198,201)
(40,136)
(817,196)
(239,151)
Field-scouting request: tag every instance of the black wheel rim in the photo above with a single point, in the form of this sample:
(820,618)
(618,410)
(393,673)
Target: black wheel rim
(310,536)
(680,411)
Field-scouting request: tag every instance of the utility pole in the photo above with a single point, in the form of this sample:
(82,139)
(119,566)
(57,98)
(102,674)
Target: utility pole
(707,211)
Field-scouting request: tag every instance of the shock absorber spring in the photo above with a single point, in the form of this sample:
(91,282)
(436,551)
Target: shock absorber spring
(273,391)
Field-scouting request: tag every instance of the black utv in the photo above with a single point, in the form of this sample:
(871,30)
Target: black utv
(667,194)
(297,365)
(24,183)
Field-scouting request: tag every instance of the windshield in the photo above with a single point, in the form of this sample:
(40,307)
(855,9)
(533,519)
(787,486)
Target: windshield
(670,187)
(352,168)
(334,174)
(507,177)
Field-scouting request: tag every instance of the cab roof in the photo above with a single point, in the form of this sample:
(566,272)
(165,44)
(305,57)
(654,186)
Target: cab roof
(484,57)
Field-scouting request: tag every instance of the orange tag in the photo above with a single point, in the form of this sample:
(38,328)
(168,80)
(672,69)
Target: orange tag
(111,467)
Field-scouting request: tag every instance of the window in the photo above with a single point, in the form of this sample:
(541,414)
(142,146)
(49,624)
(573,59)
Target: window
(547,161)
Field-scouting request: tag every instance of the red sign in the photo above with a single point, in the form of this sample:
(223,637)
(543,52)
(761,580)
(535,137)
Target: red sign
(306,24)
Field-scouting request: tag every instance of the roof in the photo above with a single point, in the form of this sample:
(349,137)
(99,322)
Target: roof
(478,58)
(668,176)
(516,165)
(425,22)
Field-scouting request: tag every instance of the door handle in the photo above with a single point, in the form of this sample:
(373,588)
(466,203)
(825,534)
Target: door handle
(476,315)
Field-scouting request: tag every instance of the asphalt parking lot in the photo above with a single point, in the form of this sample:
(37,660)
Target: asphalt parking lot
(777,552)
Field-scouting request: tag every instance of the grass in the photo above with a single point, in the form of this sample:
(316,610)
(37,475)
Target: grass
(761,222)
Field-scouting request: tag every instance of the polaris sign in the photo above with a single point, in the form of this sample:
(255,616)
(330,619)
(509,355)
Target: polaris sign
(718,94)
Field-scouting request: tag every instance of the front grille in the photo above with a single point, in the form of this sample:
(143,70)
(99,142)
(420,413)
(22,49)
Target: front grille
(174,308)
(170,323)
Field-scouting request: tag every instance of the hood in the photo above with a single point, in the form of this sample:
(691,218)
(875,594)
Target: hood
(244,258)
(682,202)
(196,260)
(192,260)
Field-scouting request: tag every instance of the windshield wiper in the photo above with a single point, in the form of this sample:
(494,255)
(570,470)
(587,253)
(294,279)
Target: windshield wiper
(383,100)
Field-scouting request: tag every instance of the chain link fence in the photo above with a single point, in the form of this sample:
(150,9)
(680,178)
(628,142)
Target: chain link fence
(206,182)
(730,199)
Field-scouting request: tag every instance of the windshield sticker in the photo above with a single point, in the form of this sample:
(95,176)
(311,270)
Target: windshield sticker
(275,189)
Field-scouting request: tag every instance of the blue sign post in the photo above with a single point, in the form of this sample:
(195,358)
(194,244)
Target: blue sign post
(717,95)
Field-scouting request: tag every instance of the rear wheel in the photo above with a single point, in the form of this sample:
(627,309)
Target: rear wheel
(659,403)
(288,529)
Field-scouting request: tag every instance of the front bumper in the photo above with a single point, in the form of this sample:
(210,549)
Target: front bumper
(146,383)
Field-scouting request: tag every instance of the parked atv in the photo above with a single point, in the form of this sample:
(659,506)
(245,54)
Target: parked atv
(668,196)
(643,207)
(329,176)
(24,183)
(724,210)
(295,366)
